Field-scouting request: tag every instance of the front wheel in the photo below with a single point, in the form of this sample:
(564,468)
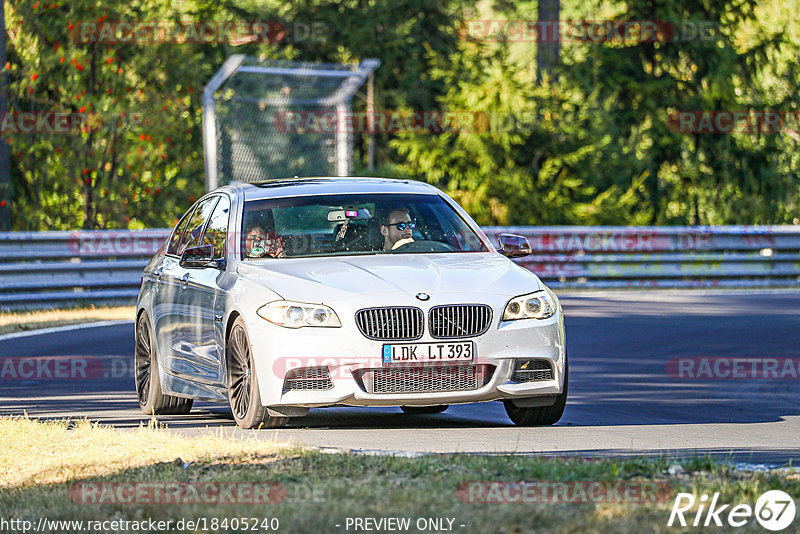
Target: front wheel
(540,415)
(243,391)
(152,400)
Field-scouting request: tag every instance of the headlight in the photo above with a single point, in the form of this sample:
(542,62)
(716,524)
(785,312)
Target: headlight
(538,305)
(299,314)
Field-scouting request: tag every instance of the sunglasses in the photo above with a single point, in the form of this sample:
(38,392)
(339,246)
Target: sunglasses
(402,225)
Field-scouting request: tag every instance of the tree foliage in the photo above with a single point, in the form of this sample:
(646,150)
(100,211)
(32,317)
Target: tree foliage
(592,144)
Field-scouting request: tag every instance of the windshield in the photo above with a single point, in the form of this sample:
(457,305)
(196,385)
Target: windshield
(328,225)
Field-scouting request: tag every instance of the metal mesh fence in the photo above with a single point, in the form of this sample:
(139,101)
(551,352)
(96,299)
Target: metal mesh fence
(249,101)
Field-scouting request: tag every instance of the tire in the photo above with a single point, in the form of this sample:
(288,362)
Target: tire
(152,400)
(540,415)
(243,392)
(424,410)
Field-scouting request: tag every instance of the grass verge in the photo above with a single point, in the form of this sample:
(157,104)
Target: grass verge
(11,322)
(85,472)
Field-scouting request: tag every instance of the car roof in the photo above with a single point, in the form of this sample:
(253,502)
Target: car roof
(331,185)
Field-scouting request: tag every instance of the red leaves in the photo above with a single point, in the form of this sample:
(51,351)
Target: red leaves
(79,66)
(82,110)
(33,78)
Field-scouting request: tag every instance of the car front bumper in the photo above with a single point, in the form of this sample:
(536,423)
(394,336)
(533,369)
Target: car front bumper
(345,351)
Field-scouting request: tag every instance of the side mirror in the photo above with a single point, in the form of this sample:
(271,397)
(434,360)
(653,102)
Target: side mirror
(201,256)
(513,246)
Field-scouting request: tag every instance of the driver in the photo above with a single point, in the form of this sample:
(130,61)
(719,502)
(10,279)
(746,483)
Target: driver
(397,228)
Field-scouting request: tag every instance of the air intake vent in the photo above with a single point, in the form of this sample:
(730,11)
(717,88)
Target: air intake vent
(391,324)
(459,320)
(532,371)
(307,378)
(422,379)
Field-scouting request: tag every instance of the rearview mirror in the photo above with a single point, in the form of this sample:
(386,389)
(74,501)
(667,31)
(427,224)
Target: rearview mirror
(345,214)
(200,256)
(513,246)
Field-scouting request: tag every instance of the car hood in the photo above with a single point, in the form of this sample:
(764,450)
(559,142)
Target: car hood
(324,279)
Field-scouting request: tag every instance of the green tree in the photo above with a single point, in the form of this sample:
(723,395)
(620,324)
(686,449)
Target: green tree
(136,157)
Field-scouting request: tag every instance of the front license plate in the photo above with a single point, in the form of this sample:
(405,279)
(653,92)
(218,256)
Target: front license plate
(429,352)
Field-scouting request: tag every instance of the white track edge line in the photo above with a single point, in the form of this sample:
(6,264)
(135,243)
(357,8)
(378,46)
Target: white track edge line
(66,328)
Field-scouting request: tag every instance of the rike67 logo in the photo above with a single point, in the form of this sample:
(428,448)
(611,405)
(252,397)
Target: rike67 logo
(774,510)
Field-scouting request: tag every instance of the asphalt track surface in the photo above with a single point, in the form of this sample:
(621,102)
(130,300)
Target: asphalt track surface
(626,395)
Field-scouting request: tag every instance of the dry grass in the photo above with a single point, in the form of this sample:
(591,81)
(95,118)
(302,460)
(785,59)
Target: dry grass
(41,461)
(41,453)
(11,322)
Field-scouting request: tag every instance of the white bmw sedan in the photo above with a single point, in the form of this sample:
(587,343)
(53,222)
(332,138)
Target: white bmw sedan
(282,296)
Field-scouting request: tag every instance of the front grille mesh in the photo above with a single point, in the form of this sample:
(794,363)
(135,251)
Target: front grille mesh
(391,324)
(308,378)
(429,379)
(459,320)
(532,371)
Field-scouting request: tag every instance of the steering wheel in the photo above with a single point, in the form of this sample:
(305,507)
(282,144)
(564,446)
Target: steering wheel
(424,246)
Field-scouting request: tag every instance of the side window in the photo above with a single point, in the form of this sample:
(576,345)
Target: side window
(194,230)
(178,233)
(217,230)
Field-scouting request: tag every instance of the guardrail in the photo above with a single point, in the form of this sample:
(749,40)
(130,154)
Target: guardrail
(67,268)
(668,257)
(64,268)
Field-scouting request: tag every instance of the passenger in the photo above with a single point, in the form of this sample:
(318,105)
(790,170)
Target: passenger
(260,244)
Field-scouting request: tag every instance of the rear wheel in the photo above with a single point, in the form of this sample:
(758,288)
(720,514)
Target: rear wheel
(243,391)
(152,400)
(424,410)
(540,415)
